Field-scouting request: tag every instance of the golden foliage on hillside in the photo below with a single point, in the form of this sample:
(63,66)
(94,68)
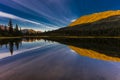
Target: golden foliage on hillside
(94,54)
(94,17)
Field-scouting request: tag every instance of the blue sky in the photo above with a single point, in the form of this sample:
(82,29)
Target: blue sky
(50,14)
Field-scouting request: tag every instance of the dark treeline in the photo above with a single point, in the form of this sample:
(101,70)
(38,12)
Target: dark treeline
(10,30)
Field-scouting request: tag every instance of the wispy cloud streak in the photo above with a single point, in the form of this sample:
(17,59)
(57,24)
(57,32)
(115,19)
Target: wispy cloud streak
(7,15)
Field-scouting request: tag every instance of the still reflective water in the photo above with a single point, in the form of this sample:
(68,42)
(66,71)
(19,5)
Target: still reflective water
(59,59)
(10,47)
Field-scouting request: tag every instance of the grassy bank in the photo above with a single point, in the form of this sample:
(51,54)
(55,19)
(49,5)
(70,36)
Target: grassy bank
(79,36)
(60,37)
(9,37)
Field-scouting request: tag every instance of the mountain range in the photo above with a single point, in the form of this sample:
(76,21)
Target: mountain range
(30,31)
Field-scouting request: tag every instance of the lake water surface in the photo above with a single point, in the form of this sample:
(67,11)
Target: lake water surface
(59,59)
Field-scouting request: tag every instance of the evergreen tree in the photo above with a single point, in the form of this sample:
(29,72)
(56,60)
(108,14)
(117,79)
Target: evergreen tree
(20,31)
(16,29)
(10,26)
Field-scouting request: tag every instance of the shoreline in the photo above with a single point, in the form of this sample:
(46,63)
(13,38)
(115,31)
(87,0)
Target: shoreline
(60,37)
(9,37)
(74,36)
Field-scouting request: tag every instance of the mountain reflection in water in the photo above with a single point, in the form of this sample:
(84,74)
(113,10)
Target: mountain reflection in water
(97,48)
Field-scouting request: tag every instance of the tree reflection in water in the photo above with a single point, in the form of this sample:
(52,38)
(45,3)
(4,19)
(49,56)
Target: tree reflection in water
(13,44)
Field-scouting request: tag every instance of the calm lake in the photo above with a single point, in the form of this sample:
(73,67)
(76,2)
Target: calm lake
(59,59)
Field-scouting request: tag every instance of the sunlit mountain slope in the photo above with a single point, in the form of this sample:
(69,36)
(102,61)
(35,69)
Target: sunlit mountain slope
(94,17)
